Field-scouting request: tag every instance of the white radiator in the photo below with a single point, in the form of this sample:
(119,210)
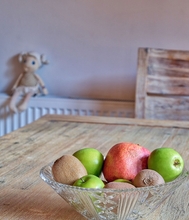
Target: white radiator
(39,106)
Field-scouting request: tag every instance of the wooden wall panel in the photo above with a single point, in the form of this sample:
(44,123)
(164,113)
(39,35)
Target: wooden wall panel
(167,85)
(162,90)
(167,108)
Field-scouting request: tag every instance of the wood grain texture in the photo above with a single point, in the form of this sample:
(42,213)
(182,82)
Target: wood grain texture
(163,107)
(140,82)
(23,195)
(162,76)
(118,121)
(167,85)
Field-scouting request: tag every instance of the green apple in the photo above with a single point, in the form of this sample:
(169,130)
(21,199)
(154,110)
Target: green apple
(92,159)
(167,162)
(89,181)
(123,181)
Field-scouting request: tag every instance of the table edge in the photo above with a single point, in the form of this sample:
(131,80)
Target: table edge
(116,120)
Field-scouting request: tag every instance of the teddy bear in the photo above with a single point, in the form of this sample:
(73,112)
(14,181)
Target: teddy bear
(28,83)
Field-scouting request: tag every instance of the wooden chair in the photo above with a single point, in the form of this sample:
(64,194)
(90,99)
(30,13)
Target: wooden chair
(162,87)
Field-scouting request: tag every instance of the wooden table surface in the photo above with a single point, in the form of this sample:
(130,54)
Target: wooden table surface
(24,195)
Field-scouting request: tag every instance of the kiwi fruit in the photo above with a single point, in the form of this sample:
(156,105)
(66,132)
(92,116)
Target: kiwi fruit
(147,177)
(119,185)
(67,169)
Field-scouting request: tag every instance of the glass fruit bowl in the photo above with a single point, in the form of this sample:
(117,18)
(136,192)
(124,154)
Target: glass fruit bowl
(127,204)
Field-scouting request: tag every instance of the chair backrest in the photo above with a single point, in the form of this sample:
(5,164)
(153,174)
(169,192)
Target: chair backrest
(162,86)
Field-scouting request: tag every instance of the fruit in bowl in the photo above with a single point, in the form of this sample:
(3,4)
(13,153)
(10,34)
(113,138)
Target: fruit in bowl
(167,162)
(67,169)
(122,180)
(113,200)
(147,177)
(92,159)
(89,181)
(116,203)
(124,161)
(119,185)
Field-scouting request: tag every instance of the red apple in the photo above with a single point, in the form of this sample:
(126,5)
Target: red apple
(124,161)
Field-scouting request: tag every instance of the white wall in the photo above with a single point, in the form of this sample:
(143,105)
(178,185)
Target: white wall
(91,44)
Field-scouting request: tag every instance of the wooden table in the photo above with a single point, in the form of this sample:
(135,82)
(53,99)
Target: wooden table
(23,195)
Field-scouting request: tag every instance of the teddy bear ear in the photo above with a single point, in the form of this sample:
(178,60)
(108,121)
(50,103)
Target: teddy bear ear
(44,59)
(21,57)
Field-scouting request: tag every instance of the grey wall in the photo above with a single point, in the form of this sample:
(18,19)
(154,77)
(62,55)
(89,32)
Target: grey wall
(91,44)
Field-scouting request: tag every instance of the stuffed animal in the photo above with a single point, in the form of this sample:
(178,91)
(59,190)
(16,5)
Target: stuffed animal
(28,83)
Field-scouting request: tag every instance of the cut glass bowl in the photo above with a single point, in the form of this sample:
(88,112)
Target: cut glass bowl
(116,204)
